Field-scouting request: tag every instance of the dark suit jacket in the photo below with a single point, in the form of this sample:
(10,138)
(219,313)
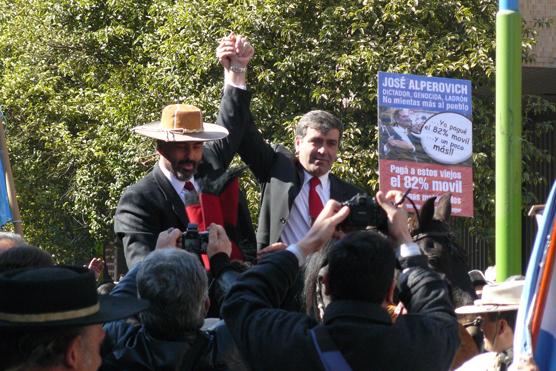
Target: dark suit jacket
(151,205)
(279,174)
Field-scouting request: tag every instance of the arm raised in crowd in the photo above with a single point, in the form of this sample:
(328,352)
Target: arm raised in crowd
(234,106)
(249,307)
(234,54)
(422,291)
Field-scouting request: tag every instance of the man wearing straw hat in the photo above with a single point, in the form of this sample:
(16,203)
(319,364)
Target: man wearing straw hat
(189,184)
(496,310)
(50,318)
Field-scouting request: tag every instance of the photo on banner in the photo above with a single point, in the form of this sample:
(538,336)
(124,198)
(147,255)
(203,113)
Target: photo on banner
(426,138)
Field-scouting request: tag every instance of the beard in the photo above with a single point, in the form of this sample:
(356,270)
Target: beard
(181,172)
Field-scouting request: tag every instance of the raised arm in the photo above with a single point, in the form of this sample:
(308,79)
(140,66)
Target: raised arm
(234,54)
(423,292)
(234,106)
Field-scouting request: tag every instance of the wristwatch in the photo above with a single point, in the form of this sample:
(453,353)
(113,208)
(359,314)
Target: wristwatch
(237,69)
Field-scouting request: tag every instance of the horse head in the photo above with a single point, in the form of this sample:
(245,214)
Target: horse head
(431,231)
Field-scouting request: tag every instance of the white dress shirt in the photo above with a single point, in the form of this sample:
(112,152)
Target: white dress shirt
(299,220)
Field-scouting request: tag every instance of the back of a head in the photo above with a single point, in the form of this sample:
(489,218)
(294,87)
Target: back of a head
(36,348)
(9,240)
(319,120)
(175,283)
(361,267)
(24,256)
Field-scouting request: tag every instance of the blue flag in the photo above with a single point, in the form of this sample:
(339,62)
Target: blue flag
(5,211)
(536,321)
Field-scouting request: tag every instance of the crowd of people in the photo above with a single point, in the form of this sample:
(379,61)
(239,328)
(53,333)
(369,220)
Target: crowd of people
(205,292)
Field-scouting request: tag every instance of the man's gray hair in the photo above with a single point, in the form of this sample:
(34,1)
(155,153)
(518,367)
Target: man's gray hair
(319,120)
(175,283)
(11,239)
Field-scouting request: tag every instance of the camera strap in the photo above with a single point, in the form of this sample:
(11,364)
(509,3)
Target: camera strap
(329,354)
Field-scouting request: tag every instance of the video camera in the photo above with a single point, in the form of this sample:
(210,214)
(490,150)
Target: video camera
(363,212)
(194,241)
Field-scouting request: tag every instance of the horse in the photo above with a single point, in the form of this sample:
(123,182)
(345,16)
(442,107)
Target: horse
(430,230)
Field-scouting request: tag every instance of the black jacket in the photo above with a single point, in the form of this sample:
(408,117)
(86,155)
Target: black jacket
(129,346)
(275,168)
(151,205)
(424,339)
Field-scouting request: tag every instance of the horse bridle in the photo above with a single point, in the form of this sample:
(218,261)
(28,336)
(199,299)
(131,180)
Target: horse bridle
(420,236)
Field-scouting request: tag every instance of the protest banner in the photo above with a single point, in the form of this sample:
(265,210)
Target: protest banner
(426,138)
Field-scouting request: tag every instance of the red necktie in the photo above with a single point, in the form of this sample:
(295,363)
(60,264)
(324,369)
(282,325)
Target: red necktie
(189,186)
(195,214)
(192,205)
(315,204)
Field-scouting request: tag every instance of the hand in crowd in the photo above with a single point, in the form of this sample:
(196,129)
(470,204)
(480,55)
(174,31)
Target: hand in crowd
(397,215)
(324,226)
(278,246)
(96,265)
(168,238)
(218,241)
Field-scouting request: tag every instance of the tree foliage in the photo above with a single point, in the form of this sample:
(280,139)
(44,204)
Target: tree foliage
(76,75)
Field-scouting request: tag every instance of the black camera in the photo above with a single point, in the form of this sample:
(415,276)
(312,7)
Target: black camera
(194,241)
(364,212)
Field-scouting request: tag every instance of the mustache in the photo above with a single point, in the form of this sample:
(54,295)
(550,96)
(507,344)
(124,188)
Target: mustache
(184,162)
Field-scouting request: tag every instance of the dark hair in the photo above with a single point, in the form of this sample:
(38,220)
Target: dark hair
(24,349)
(23,257)
(312,298)
(319,120)
(507,315)
(361,267)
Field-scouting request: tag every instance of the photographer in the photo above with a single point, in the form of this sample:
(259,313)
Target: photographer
(356,329)
(171,334)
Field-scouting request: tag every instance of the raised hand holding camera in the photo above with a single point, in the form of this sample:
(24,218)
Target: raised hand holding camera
(392,204)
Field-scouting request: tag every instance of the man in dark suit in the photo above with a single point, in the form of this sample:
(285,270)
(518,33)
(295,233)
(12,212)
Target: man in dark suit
(185,185)
(289,192)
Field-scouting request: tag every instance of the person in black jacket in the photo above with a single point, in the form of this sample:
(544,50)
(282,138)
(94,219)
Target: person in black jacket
(360,280)
(191,183)
(285,177)
(172,333)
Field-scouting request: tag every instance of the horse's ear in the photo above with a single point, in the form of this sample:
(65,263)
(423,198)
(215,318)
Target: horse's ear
(427,213)
(444,208)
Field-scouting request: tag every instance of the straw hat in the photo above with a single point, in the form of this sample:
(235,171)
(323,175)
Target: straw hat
(496,298)
(48,297)
(182,123)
